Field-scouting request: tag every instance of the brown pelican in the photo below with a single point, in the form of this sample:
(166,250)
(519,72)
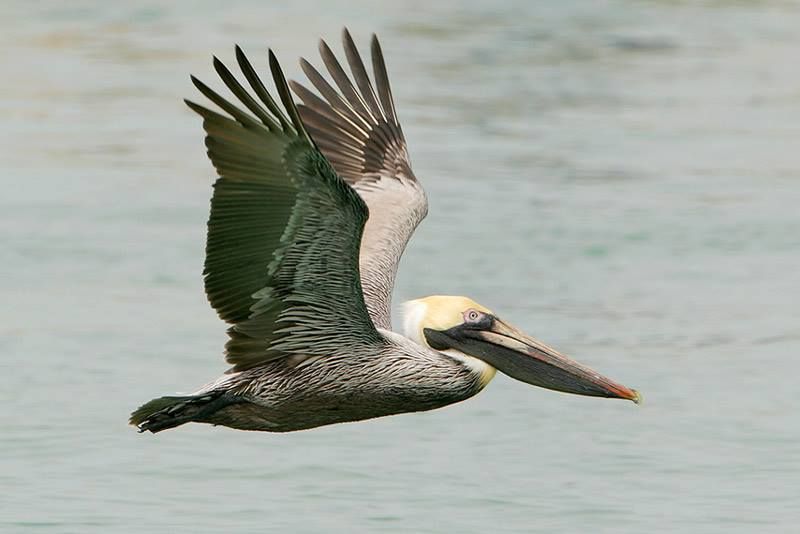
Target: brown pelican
(309,217)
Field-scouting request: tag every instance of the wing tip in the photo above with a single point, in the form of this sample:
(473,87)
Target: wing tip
(282,86)
(192,105)
(204,89)
(219,66)
(241,59)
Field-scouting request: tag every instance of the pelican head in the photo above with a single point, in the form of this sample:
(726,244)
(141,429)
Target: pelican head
(462,327)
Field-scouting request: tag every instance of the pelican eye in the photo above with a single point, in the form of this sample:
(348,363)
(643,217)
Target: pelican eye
(473,316)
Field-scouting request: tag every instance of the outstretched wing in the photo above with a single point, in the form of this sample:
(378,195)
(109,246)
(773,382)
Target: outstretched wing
(357,130)
(284,231)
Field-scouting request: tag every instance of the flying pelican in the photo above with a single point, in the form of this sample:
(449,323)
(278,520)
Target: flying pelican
(309,217)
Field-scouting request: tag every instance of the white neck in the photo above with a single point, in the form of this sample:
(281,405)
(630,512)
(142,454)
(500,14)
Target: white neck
(414,312)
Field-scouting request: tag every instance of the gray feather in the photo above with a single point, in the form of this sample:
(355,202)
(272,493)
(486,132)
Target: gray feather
(283,234)
(358,132)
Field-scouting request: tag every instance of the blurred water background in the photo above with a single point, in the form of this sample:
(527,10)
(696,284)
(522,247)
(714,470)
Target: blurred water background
(618,178)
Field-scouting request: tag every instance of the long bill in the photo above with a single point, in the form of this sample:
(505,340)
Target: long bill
(528,360)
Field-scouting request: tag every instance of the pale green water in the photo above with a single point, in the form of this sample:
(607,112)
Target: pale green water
(619,178)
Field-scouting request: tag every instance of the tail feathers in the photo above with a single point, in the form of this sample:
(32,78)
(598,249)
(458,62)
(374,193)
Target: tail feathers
(168,412)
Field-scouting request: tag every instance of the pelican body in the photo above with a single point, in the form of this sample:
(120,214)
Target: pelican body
(310,215)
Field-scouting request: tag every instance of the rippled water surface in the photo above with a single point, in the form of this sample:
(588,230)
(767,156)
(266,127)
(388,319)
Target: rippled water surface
(618,178)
